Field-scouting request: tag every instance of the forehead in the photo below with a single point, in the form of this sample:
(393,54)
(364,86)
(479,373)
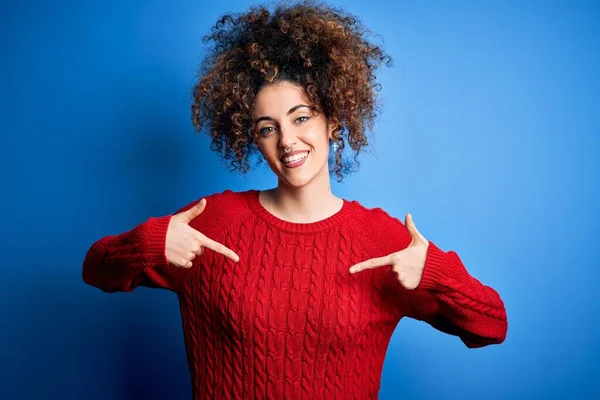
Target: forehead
(278,98)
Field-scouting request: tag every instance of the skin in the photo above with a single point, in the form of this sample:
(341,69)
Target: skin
(303,194)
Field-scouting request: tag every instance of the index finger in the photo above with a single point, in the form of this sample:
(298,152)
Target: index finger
(219,248)
(371,264)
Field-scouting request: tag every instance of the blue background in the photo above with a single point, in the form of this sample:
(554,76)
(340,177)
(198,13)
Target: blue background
(489,135)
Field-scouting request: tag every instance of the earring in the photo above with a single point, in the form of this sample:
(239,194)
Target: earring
(334,145)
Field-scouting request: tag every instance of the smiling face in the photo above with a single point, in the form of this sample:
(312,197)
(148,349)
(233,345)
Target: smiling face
(283,117)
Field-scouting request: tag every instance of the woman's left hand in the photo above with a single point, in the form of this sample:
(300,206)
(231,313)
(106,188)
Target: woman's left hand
(408,263)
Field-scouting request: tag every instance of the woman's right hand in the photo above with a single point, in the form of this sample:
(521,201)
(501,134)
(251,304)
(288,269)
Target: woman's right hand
(184,242)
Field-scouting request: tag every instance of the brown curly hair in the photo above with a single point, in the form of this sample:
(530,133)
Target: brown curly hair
(322,49)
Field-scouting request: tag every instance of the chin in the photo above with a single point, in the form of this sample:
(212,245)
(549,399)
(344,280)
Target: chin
(293,178)
(295,182)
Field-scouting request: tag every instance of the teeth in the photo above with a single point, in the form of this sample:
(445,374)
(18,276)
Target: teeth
(294,158)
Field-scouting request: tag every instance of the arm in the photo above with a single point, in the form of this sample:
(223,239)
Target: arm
(454,302)
(432,285)
(134,258)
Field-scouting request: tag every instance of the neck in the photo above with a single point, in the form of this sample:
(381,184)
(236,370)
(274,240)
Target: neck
(309,203)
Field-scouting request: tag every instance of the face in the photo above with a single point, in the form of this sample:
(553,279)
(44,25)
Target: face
(283,118)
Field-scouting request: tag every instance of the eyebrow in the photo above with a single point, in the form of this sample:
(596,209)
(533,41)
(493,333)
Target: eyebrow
(291,110)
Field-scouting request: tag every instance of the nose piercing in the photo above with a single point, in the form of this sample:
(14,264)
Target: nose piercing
(288,151)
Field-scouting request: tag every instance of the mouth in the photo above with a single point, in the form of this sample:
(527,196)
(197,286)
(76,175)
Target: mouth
(295,159)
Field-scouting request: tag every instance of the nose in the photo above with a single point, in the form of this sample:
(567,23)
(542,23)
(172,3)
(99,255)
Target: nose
(287,136)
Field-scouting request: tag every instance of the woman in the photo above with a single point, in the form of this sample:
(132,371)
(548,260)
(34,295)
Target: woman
(293,292)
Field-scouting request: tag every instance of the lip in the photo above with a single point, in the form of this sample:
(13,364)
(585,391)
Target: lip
(297,163)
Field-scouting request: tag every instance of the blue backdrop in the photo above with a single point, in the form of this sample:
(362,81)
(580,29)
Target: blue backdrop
(489,135)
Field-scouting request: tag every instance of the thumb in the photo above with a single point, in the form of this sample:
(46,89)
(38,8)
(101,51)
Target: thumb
(193,212)
(412,229)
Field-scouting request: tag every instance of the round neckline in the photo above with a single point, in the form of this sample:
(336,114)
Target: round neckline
(299,227)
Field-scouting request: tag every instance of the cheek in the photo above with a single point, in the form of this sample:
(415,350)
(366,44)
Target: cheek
(268,151)
(316,136)
(321,143)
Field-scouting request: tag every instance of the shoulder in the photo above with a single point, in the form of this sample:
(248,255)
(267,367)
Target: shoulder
(373,219)
(385,232)
(220,211)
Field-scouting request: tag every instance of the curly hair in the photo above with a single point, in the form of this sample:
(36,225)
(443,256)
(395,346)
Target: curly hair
(324,50)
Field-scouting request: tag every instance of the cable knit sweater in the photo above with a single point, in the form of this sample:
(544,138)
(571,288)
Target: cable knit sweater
(289,320)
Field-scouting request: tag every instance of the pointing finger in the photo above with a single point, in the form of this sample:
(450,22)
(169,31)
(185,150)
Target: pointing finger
(371,264)
(219,248)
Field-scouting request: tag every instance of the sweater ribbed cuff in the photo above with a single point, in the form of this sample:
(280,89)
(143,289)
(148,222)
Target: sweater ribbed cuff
(434,268)
(152,234)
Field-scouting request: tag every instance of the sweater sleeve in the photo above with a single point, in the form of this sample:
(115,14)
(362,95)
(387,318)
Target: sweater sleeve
(454,302)
(447,297)
(135,258)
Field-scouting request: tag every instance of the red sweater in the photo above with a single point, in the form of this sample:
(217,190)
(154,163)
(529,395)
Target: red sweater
(289,320)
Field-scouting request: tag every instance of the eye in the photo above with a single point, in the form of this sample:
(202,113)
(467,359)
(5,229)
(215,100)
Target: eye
(265,131)
(301,120)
